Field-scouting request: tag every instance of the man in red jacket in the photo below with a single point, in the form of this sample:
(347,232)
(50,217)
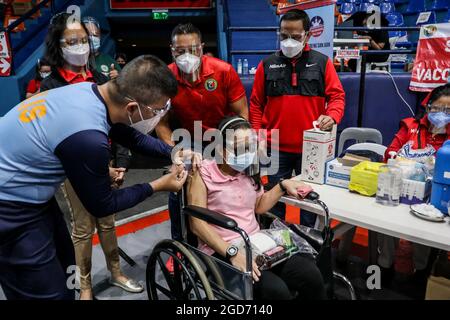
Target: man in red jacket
(293,88)
(208,90)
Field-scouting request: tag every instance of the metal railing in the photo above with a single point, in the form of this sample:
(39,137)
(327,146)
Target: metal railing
(28,15)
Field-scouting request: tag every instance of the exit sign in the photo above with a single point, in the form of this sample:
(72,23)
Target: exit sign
(160,14)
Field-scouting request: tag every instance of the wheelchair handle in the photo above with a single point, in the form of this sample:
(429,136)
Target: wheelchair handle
(248,246)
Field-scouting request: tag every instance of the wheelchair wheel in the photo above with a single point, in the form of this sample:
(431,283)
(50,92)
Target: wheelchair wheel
(187,281)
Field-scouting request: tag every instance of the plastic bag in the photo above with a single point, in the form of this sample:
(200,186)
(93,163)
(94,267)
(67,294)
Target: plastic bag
(302,245)
(364,178)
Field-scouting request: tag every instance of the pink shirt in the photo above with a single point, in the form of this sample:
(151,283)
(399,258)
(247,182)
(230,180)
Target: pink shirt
(233,196)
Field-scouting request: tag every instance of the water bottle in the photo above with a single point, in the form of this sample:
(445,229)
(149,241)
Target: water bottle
(245,69)
(389,183)
(239,67)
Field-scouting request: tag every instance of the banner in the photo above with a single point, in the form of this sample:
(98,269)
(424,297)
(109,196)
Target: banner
(160,4)
(321,14)
(348,54)
(432,64)
(5,56)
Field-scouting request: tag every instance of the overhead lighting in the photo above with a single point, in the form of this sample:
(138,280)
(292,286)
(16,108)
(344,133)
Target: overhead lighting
(120,39)
(134,45)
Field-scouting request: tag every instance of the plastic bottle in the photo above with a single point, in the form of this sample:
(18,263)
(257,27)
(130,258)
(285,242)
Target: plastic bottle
(389,183)
(245,67)
(239,66)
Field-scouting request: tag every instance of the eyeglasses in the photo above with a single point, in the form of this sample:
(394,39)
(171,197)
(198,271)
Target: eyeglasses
(155,111)
(194,49)
(74,41)
(436,108)
(299,37)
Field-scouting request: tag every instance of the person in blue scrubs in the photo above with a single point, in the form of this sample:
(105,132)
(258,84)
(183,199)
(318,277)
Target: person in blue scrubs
(63,133)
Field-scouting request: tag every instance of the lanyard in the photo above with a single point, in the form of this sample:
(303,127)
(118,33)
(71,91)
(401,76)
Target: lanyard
(294,79)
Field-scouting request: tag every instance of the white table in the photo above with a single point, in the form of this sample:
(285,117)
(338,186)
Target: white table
(351,42)
(364,212)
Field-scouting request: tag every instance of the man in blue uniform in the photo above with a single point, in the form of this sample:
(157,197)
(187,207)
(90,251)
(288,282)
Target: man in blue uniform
(65,133)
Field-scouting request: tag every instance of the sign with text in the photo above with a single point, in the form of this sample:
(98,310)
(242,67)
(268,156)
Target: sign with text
(347,54)
(432,64)
(321,14)
(5,56)
(160,4)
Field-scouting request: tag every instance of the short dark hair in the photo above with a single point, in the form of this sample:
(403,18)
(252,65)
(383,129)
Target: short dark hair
(439,92)
(297,15)
(186,28)
(146,79)
(121,55)
(58,25)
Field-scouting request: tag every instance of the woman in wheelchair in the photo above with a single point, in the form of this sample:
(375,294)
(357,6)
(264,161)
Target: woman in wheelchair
(225,186)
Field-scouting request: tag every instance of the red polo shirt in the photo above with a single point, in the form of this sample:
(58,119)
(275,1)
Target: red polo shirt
(209,98)
(73,77)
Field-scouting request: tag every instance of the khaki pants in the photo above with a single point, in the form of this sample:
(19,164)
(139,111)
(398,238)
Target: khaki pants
(83,229)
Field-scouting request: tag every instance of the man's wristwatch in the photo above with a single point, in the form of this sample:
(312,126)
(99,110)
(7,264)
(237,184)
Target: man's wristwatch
(232,251)
(280,183)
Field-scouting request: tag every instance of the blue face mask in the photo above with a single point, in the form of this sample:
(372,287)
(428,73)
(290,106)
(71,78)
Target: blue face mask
(240,162)
(439,119)
(95,43)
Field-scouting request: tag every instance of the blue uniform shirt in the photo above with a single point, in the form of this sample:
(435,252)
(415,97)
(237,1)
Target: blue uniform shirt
(64,132)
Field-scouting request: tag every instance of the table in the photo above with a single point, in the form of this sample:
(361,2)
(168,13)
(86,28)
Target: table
(364,212)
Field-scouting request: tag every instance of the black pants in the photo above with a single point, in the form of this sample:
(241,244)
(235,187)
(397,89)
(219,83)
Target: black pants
(298,275)
(36,252)
(288,162)
(298,278)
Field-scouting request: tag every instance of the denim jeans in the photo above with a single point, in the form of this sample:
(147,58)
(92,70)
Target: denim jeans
(287,163)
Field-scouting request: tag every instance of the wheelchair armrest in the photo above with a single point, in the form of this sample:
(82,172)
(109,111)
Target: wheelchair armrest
(210,216)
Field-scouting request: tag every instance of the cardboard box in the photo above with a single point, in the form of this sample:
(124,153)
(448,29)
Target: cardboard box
(338,171)
(414,192)
(438,288)
(318,148)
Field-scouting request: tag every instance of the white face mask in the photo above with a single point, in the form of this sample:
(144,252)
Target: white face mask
(240,162)
(76,55)
(188,63)
(45,74)
(291,47)
(146,125)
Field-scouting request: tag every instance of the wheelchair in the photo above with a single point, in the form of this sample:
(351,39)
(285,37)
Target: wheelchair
(199,276)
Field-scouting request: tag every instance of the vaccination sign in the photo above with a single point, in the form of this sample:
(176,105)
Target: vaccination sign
(432,64)
(5,56)
(158,4)
(321,13)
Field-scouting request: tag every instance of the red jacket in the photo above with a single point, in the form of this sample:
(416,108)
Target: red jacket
(417,132)
(312,90)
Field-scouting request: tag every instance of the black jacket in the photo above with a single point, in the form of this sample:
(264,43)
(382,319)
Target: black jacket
(55,80)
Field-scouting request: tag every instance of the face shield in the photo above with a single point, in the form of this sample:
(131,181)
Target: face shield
(242,151)
(94,30)
(188,58)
